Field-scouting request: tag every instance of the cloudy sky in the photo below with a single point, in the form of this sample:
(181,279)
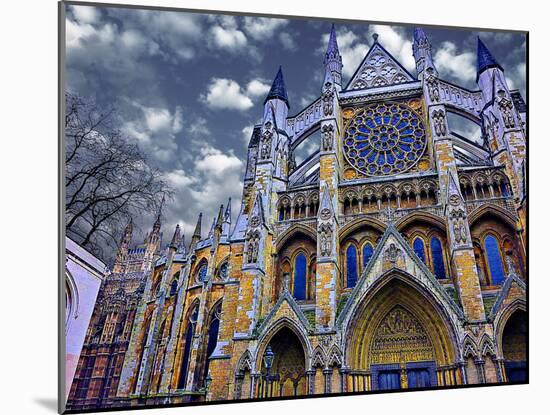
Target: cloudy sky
(189,87)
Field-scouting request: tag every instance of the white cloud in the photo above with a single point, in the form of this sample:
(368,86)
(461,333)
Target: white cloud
(287,41)
(262,28)
(161,120)
(257,88)
(85,14)
(179,179)
(450,62)
(212,176)
(227,38)
(228,94)
(216,163)
(155,129)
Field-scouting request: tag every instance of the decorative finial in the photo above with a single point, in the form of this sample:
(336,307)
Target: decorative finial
(375,37)
(511,266)
(390,214)
(286,282)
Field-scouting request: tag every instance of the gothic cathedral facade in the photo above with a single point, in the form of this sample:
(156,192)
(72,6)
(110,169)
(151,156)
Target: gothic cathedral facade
(393,257)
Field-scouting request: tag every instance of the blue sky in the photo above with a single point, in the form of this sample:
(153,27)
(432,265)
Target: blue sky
(189,87)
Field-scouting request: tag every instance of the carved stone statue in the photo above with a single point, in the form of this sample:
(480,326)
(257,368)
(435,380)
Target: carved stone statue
(328,97)
(458,218)
(326,239)
(433,88)
(440,128)
(327,131)
(253,248)
(265,146)
(392,255)
(506,108)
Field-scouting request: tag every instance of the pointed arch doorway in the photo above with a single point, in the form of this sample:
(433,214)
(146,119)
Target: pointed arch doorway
(285,374)
(399,338)
(514,347)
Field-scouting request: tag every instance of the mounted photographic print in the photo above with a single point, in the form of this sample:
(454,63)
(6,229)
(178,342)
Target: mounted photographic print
(261,207)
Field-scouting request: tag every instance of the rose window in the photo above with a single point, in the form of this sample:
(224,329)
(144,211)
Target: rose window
(384,139)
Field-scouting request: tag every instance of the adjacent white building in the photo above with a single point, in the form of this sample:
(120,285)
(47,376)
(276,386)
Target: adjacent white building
(83,276)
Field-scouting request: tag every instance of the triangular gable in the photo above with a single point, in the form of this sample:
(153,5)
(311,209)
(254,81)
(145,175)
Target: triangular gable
(257,215)
(503,294)
(400,258)
(379,68)
(287,298)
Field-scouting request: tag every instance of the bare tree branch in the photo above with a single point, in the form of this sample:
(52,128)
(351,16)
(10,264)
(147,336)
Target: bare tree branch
(108,178)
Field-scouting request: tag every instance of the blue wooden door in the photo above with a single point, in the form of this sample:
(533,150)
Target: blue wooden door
(389,379)
(418,378)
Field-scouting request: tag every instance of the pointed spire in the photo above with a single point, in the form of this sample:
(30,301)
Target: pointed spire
(278,89)
(181,245)
(198,226)
(176,238)
(485,59)
(159,214)
(257,217)
(227,215)
(420,35)
(332,48)
(333,60)
(422,52)
(212,227)
(219,220)
(129,228)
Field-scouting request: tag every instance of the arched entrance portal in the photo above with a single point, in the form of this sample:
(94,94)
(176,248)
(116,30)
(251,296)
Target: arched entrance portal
(514,349)
(285,374)
(400,339)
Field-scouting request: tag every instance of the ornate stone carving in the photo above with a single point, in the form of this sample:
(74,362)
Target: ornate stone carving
(328,99)
(254,221)
(327,137)
(400,338)
(392,256)
(454,200)
(458,220)
(510,264)
(325,232)
(267,136)
(253,247)
(440,128)
(325,214)
(433,88)
(506,109)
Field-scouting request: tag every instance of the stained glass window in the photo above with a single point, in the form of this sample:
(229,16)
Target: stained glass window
(494,260)
(384,139)
(504,189)
(300,277)
(418,246)
(212,338)
(351,266)
(187,349)
(367,253)
(202,272)
(437,258)
(224,271)
(174,287)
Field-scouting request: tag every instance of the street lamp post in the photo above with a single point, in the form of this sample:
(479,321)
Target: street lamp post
(269,356)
